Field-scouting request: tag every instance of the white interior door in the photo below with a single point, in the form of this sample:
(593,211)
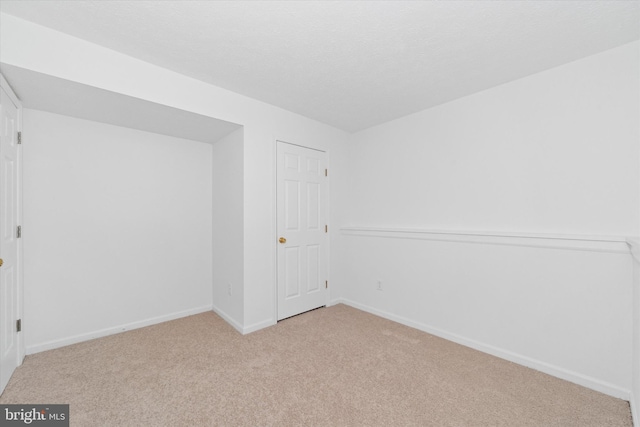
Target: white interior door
(8,238)
(302,232)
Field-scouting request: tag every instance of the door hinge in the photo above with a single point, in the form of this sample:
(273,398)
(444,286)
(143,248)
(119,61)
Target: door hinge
(19,232)
(19,137)
(326,228)
(326,284)
(326,172)
(19,325)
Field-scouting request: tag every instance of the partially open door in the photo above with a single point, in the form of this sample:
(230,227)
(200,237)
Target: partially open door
(10,354)
(302,229)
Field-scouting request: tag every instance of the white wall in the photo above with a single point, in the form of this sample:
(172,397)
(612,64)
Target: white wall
(635,394)
(228,236)
(117,228)
(635,389)
(554,153)
(59,55)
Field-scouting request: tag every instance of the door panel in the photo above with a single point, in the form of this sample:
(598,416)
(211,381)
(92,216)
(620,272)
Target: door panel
(292,204)
(301,217)
(7,277)
(8,238)
(313,268)
(313,205)
(292,278)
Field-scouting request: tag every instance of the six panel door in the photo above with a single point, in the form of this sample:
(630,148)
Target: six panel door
(8,239)
(302,233)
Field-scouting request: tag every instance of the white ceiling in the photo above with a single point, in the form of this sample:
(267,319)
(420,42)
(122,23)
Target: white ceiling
(348,64)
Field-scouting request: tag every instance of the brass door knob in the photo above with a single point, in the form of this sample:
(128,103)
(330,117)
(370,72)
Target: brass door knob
(282,240)
(1,262)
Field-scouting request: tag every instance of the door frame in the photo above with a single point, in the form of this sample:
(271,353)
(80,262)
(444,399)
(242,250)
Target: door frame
(19,200)
(274,234)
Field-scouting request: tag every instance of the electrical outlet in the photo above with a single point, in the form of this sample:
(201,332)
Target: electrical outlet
(379,285)
(230,289)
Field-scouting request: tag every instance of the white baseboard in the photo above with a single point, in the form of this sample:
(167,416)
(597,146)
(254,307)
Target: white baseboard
(244,330)
(337,301)
(635,410)
(257,326)
(565,374)
(50,345)
(230,320)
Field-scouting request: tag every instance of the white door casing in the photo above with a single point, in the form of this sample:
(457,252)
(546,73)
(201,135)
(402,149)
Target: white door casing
(301,192)
(10,354)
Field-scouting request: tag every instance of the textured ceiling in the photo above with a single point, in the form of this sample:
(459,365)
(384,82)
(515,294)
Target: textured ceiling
(349,64)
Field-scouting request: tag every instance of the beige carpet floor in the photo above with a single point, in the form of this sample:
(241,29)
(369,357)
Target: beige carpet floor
(334,366)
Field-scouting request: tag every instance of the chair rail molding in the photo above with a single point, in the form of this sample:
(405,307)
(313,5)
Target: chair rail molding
(577,242)
(634,247)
